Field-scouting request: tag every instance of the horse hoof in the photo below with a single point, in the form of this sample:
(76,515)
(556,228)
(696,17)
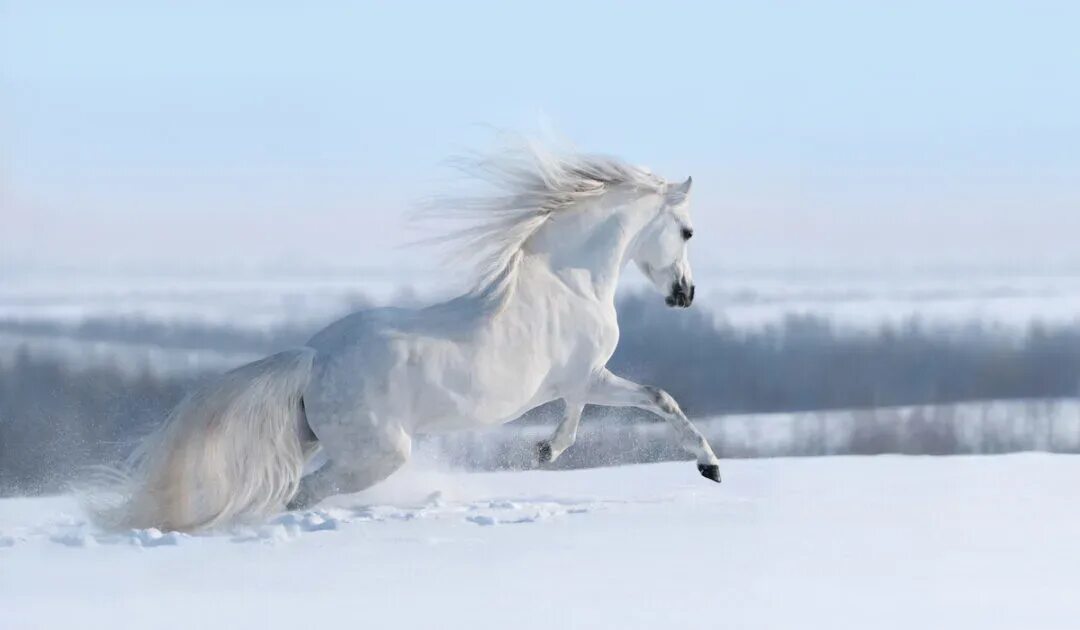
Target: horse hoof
(543,453)
(709,471)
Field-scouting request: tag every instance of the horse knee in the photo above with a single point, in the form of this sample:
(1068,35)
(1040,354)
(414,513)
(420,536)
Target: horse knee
(663,401)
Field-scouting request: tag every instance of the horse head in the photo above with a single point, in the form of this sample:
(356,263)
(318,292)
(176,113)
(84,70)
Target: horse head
(660,250)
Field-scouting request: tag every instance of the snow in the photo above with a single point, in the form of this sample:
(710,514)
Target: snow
(839,542)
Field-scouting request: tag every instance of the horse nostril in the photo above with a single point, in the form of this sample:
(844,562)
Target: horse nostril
(682,294)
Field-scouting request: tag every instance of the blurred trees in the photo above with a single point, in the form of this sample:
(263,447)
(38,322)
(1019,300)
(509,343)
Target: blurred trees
(55,417)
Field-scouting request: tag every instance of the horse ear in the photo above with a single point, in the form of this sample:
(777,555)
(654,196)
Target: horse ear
(680,192)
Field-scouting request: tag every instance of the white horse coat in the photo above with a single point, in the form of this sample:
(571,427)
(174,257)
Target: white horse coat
(539,326)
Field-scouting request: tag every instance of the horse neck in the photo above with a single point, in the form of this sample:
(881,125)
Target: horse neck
(586,248)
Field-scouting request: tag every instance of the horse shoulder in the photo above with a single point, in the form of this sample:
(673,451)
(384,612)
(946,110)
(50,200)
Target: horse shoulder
(599,330)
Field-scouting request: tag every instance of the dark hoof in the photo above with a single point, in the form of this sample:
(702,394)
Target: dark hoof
(709,471)
(543,453)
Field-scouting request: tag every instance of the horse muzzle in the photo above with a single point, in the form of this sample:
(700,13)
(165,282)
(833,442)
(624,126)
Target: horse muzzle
(682,294)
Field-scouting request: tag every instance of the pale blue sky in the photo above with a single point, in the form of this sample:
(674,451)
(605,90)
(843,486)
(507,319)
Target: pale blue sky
(142,132)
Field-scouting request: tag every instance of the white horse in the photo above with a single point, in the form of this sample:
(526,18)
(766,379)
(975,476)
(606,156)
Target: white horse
(539,326)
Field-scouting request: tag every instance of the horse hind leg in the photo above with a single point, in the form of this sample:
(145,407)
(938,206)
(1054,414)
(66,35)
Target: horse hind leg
(355,463)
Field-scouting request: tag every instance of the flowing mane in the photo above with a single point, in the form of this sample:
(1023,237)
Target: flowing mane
(529,183)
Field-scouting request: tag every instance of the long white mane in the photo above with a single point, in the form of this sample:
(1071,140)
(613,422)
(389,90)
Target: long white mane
(528,183)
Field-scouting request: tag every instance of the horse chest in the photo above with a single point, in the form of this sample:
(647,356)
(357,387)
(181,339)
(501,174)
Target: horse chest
(591,333)
(518,365)
(571,343)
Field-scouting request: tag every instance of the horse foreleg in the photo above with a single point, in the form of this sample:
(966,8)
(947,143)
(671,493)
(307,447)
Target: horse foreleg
(565,434)
(608,389)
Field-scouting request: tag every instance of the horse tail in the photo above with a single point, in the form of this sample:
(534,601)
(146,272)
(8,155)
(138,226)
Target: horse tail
(232,450)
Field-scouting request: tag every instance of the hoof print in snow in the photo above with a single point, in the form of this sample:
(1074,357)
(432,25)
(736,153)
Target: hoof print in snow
(709,471)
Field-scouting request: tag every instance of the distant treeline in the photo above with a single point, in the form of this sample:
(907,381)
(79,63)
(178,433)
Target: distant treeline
(807,363)
(55,418)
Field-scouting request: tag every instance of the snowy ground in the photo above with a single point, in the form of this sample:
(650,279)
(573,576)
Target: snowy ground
(841,542)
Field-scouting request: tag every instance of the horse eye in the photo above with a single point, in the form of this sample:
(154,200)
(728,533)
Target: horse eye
(687,233)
